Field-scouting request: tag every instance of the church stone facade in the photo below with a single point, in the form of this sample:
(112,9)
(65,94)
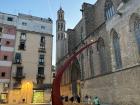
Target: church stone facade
(110,68)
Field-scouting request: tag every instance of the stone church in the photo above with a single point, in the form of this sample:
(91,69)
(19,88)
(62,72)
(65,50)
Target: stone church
(110,68)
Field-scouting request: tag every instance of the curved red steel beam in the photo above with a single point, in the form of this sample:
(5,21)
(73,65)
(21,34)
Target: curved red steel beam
(56,98)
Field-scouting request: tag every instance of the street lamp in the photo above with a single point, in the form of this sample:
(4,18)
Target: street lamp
(56,100)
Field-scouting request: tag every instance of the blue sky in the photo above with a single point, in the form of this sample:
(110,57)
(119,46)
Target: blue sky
(46,8)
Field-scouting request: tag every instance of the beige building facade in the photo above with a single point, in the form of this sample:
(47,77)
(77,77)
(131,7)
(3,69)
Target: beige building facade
(31,76)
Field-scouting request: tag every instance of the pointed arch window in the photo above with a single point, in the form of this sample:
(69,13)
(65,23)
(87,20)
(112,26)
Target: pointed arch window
(109,9)
(102,55)
(117,51)
(62,36)
(82,66)
(91,61)
(58,36)
(137,32)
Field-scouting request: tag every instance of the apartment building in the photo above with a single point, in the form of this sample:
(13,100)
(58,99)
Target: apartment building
(7,42)
(27,59)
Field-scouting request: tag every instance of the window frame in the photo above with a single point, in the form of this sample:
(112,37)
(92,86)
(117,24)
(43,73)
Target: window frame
(109,9)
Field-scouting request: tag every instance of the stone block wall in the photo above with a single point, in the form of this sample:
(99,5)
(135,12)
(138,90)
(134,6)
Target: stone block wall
(117,88)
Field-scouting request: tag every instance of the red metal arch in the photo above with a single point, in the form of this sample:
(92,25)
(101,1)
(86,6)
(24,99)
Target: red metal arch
(56,98)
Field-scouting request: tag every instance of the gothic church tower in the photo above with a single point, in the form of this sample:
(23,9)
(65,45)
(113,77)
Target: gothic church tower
(61,42)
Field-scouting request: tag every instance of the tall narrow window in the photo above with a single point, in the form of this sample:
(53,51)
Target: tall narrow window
(18,58)
(58,36)
(82,35)
(19,71)
(61,36)
(42,42)
(22,41)
(42,39)
(0,30)
(102,55)
(40,70)
(82,66)
(137,32)
(23,36)
(91,61)
(41,59)
(117,51)
(109,9)
(61,26)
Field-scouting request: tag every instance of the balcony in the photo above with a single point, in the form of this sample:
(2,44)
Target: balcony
(17,61)
(41,64)
(40,76)
(42,50)
(18,76)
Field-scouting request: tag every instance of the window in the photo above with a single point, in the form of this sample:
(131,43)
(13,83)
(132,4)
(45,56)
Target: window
(43,27)
(91,62)
(19,71)
(24,23)
(23,36)
(42,39)
(58,36)
(42,46)
(5,58)
(0,29)
(82,35)
(18,58)
(3,74)
(10,19)
(60,16)
(61,26)
(7,42)
(42,42)
(117,51)
(41,59)
(22,46)
(53,75)
(102,55)
(82,66)
(22,41)
(137,32)
(61,36)
(40,70)
(109,9)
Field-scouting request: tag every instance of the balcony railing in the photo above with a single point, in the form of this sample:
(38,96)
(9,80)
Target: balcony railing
(18,76)
(41,63)
(17,61)
(43,50)
(40,76)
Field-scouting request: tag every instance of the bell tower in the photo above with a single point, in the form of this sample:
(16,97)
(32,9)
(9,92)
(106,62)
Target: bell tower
(60,36)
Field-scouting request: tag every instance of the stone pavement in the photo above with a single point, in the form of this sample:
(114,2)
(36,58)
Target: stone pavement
(65,103)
